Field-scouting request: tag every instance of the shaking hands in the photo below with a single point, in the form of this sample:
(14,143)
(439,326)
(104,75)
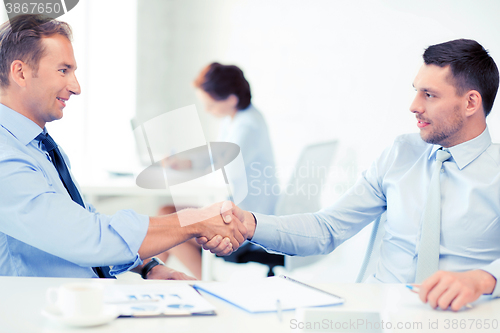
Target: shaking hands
(241,222)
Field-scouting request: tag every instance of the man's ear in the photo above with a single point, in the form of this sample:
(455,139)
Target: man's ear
(18,72)
(474,103)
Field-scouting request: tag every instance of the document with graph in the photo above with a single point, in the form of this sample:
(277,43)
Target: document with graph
(151,300)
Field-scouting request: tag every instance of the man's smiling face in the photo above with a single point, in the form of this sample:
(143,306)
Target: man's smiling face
(49,88)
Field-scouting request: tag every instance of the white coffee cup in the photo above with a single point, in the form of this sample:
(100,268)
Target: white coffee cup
(77,299)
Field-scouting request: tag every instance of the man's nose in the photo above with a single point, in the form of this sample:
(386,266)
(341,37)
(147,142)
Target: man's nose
(416,106)
(74,86)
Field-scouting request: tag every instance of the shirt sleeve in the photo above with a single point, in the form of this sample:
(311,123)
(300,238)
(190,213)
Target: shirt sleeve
(322,232)
(35,213)
(494,269)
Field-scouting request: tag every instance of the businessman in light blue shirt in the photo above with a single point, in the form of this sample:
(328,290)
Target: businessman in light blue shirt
(456,87)
(44,231)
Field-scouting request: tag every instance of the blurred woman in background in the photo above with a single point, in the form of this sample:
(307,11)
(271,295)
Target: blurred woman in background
(225,93)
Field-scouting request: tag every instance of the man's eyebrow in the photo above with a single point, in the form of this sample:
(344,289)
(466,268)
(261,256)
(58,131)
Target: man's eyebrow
(424,89)
(429,90)
(68,66)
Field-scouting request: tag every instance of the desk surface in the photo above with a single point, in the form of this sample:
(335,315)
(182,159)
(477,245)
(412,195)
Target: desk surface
(21,300)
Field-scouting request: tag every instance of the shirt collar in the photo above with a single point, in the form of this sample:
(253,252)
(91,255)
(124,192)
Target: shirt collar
(22,128)
(468,151)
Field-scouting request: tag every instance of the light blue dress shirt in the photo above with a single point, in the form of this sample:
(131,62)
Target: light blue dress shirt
(248,130)
(398,182)
(42,231)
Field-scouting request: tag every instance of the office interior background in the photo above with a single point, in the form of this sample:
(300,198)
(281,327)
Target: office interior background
(319,70)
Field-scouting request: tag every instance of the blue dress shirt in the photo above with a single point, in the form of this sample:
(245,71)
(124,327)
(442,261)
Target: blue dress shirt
(42,231)
(248,130)
(398,182)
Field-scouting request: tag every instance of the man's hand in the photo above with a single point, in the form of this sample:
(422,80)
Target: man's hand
(167,231)
(217,245)
(454,290)
(161,272)
(224,235)
(230,213)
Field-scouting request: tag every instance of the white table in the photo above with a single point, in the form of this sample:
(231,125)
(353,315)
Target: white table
(104,185)
(21,300)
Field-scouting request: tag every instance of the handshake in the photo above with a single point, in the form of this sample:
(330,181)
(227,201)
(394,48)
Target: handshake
(226,230)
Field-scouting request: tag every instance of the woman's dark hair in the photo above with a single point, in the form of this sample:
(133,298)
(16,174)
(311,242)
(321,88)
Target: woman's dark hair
(220,81)
(471,67)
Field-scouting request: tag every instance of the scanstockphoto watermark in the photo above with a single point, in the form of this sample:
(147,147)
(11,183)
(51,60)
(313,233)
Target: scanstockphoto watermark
(48,8)
(363,325)
(358,325)
(308,170)
(309,180)
(260,187)
(177,135)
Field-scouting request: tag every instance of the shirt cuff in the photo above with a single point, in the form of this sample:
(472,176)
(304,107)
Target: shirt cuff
(119,269)
(266,234)
(494,269)
(133,231)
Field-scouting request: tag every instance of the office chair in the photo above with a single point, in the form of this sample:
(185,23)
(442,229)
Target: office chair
(311,171)
(315,159)
(373,249)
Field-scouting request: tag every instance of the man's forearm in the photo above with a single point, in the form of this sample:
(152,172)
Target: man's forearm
(165,232)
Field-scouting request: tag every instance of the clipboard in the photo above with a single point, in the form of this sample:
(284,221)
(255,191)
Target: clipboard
(263,295)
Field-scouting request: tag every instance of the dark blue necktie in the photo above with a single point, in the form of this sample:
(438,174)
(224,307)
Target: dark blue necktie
(64,175)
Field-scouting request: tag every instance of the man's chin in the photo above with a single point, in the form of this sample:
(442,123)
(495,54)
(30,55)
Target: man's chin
(56,116)
(59,114)
(435,140)
(427,138)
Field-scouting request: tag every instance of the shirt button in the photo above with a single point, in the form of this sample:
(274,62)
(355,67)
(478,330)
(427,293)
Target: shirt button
(442,170)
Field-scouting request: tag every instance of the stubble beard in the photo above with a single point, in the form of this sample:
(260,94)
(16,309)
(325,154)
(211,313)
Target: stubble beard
(444,134)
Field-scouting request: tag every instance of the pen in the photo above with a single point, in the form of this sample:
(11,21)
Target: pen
(416,290)
(306,285)
(278,310)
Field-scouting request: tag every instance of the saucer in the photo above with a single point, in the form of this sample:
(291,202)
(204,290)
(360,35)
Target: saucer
(109,313)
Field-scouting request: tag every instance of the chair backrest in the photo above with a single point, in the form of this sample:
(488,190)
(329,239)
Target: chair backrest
(303,191)
(373,249)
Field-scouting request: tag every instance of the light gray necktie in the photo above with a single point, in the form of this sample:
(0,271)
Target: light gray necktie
(428,253)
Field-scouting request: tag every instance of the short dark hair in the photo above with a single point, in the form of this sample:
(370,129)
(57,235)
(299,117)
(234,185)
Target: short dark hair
(220,81)
(471,67)
(20,39)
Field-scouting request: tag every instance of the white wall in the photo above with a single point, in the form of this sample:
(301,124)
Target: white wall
(95,130)
(319,69)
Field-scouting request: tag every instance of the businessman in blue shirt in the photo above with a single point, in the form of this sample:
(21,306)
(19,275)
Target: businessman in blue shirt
(46,229)
(455,90)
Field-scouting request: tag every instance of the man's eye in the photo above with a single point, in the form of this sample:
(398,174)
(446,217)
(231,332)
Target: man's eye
(428,95)
(63,70)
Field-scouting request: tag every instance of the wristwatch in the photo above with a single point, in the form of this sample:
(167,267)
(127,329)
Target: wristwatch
(149,266)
